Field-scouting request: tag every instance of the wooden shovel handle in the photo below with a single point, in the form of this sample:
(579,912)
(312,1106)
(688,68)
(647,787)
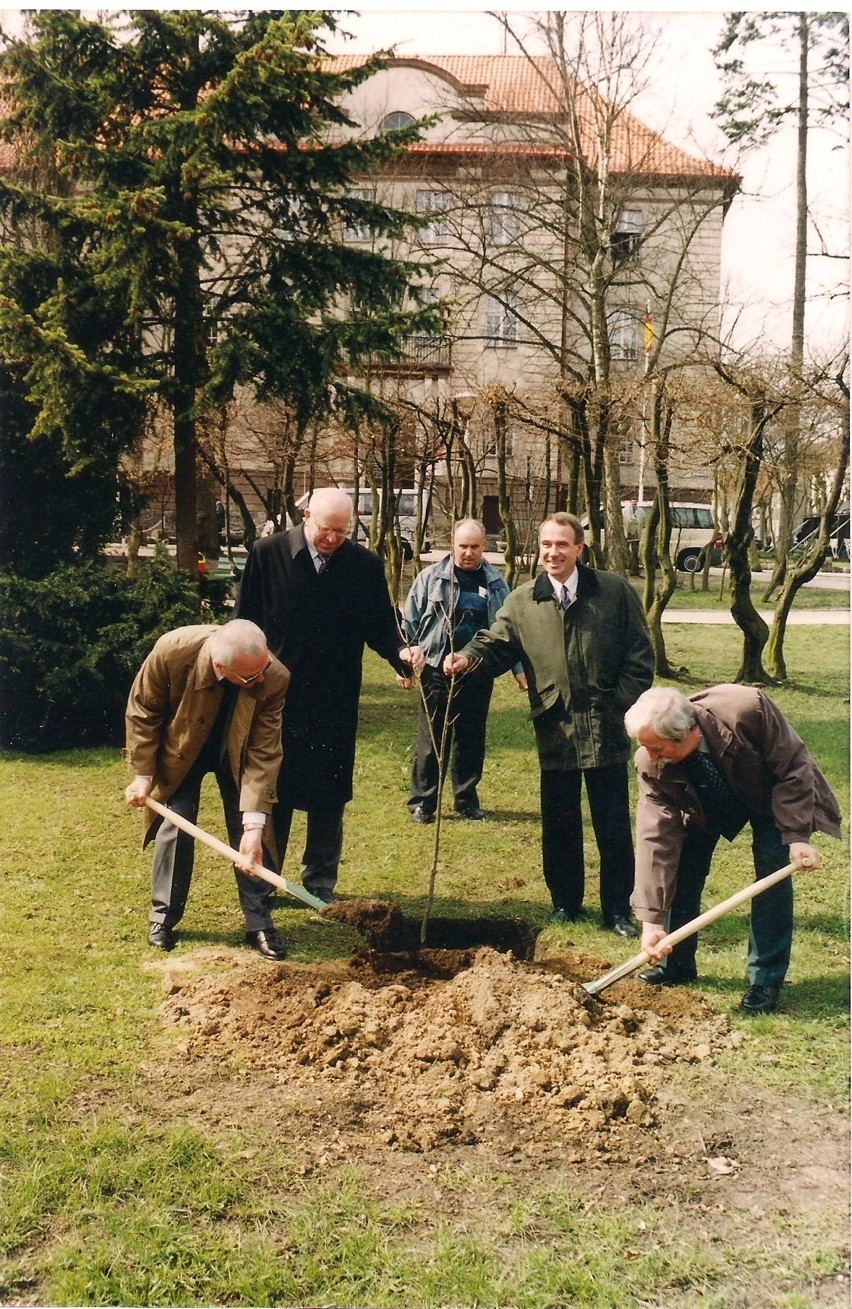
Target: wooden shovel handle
(688,929)
(229,852)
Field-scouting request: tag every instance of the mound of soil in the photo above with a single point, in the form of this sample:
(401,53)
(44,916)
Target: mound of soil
(448,1047)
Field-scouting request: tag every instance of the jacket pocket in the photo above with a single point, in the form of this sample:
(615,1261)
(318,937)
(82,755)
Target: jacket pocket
(544,699)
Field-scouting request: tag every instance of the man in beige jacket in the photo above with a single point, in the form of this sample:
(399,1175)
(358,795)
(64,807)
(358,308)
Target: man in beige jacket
(207,699)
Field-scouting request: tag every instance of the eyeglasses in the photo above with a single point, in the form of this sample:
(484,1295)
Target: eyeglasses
(247,681)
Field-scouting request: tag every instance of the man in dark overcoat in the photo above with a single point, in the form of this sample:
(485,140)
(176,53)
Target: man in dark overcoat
(320,598)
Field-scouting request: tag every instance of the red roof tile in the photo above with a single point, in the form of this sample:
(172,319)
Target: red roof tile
(517,86)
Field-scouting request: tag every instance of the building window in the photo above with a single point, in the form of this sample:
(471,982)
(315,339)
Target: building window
(625,448)
(436,205)
(397,120)
(501,320)
(491,444)
(627,236)
(505,218)
(623,335)
(355,229)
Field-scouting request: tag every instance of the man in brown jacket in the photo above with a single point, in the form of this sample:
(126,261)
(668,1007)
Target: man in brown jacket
(207,699)
(708,765)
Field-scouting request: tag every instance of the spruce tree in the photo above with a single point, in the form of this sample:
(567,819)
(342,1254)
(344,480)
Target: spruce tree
(191,239)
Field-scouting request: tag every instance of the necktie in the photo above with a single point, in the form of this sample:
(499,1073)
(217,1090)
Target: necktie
(323,562)
(565,599)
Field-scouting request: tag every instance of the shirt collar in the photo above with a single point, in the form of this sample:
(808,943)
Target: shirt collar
(570,582)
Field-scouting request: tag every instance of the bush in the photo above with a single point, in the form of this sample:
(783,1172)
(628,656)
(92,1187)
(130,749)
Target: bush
(70,645)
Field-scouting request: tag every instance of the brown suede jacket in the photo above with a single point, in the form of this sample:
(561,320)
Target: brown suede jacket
(765,763)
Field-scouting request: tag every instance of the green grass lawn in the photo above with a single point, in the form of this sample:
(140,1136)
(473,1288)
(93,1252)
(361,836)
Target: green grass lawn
(108,1199)
(717,596)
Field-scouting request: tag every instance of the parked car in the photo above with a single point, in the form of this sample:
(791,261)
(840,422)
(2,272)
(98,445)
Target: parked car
(406,504)
(693,531)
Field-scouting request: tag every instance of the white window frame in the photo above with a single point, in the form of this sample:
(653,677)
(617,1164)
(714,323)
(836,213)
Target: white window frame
(623,327)
(491,444)
(387,125)
(627,234)
(501,321)
(434,204)
(505,218)
(353,231)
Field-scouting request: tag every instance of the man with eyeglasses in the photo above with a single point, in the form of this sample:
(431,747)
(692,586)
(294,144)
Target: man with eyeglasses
(207,700)
(320,598)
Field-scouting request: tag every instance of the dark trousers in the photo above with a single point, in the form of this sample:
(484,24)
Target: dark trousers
(323,844)
(465,738)
(562,837)
(174,852)
(771,928)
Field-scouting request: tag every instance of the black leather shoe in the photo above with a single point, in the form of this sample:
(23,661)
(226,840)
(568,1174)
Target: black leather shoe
(327,896)
(760,1000)
(473,813)
(624,927)
(267,943)
(560,915)
(421,815)
(161,936)
(659,975)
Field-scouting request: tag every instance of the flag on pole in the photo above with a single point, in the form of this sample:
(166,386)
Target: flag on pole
(649,331)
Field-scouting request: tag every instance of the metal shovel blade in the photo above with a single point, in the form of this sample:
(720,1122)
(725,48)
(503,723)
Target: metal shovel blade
(220,847)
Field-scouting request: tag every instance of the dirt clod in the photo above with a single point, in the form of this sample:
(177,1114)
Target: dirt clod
(418,1050)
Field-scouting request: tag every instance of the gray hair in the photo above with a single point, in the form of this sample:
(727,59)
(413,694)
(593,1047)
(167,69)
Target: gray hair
(668,713)
(470,522)
(567,520)
(331,499)
(239,637)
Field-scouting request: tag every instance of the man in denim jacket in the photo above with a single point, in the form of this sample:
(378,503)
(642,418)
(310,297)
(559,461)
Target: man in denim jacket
(447,604)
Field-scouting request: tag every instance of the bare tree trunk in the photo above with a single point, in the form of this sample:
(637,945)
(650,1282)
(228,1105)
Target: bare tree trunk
(510,553)
(134,541)
(796,576)
(789,482)
(656,538)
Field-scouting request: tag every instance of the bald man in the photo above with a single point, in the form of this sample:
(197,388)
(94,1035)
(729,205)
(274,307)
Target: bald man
(320,598)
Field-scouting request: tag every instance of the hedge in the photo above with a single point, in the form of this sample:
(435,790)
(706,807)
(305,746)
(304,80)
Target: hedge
(70,645)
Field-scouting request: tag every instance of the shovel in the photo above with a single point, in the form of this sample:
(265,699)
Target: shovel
(220,847)
(694,925)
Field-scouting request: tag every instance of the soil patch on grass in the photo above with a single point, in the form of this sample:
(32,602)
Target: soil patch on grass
(433,1046)
(453,1079)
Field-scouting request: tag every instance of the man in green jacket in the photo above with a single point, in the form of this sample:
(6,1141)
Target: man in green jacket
(582,638)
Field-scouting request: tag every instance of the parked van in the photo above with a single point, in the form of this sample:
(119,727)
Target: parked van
(692,530)
(406,505)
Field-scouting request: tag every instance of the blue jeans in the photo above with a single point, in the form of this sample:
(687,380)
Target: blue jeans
(771,929)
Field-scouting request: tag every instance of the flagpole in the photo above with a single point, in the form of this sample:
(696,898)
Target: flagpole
(649,340)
